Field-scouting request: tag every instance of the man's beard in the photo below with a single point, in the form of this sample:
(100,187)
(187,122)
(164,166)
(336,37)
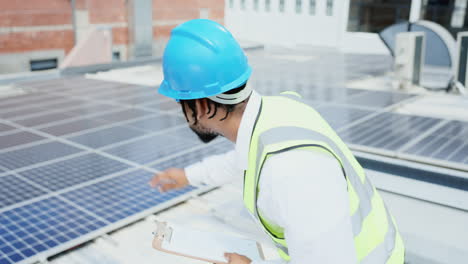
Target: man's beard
(205,137)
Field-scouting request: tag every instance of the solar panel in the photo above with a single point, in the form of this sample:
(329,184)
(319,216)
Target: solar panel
(122,196)
(124,115)
(170,106)
(15,190)
(329,95)
(26,100)
(94,109)
(157,123)
(446,143)
(107,136)
(66,173)
(60,195)
(43,225)
(43,119)
(18,138)
(378,99)
(35,154)
(22,112)
(387,131)
(340,116)
(141,99)
(150,149)
(186,133)
(73,126)
(6,128)
(66,103)
(186,159)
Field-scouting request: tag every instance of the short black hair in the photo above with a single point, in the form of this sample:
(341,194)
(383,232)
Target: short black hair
(212,105)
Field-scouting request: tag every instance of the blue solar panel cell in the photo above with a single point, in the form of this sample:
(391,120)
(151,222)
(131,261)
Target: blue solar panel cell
(340,116)
(67,173)
(460,155)
(17,139)
(157,123)
(6,128)
(186,133)
(122,196)
(42,225)
(446,143)
(22,112)
(15,190)
(124,115)
(184,160)
(388,131)
(378,99)
(73,126)
(94,108)
(43,119)
(150,149)
(322,95)
(107,136)
(35,154)
(144,98)
(163,106)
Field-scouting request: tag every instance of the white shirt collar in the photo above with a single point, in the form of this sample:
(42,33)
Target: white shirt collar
(246,128)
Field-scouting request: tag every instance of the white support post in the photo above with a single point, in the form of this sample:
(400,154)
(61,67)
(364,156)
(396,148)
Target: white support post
(415,12)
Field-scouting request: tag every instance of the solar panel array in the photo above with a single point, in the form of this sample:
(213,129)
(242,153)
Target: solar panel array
(76,154)
(75,158)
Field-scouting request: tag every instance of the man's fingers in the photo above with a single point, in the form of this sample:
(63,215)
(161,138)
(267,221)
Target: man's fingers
(167,186)
(158,179)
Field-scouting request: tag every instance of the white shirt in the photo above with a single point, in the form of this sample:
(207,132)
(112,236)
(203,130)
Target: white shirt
(302,191)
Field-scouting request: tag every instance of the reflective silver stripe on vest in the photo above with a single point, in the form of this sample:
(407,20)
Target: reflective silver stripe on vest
(365,190)
(385,249)
(283,248)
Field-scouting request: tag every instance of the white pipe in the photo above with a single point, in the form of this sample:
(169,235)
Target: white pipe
(415,12)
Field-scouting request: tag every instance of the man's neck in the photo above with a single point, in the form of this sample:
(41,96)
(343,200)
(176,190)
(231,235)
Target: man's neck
(231,128)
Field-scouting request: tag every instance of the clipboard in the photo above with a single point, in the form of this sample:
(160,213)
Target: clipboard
(202,245)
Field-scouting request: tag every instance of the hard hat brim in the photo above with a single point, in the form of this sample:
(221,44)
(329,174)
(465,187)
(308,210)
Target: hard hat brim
(166,89)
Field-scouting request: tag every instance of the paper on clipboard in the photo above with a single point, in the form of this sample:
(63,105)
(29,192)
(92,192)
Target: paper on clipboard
(201,245)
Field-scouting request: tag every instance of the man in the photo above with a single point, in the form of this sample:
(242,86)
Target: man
(301,183)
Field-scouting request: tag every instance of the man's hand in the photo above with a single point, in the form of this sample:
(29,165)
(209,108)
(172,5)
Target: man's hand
(169,179)
(234,258)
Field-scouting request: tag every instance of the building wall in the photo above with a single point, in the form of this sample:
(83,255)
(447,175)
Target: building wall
(169,13)
(43,29)
(316,23)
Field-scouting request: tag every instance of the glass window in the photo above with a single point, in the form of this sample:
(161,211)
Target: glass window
(267,5)
(298,6)
(451,14)
(329,7)
(231,3)
(374,16)
(281,6)
(243,4)
(256,5)
(311,7)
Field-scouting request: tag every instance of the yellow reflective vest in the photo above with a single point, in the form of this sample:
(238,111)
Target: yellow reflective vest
(285,123)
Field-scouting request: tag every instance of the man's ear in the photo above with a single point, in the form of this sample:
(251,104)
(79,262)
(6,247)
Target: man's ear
(202,108)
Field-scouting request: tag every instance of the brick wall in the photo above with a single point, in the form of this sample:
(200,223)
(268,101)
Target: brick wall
(168,14)
(42,25)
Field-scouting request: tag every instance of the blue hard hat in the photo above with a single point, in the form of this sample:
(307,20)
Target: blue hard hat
(202,59)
